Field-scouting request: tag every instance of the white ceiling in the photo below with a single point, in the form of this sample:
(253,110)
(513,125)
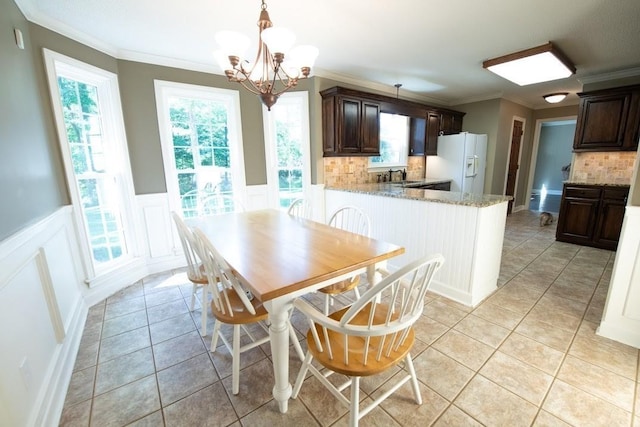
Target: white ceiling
(435,49)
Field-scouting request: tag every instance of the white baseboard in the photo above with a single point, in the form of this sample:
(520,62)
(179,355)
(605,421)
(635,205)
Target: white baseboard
(57,388)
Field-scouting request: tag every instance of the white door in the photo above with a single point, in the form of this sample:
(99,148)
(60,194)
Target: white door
(287,149)
(202,151)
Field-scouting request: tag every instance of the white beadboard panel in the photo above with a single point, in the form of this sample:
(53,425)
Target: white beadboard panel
(488,247)
(42,313)
(621,317)
(460,233)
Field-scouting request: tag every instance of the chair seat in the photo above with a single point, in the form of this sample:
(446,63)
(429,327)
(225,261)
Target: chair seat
(240,314)
(198,280)
(342,286)
(355,367)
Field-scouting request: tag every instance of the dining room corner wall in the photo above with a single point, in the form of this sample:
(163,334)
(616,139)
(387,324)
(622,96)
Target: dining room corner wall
(42,315)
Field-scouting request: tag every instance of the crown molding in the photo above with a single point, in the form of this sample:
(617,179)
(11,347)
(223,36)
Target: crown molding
(32,15)
(614,75)
(128,55)
(386,89)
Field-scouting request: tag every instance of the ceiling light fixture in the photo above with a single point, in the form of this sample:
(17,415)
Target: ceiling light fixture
(554,98)
(269,75)
(535,65)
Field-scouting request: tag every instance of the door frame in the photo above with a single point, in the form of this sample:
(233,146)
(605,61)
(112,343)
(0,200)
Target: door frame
(506,172)
(534,152)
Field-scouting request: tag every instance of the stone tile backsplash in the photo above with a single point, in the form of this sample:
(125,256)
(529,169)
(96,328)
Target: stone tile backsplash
(339,171)
(604,167)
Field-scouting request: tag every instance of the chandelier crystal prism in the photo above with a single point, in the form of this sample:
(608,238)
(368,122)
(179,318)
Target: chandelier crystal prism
(269,75)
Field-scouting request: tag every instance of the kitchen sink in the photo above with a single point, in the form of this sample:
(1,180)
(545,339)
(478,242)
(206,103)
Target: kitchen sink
(407,183)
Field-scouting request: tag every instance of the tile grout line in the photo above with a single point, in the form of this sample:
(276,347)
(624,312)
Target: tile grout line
(477,372)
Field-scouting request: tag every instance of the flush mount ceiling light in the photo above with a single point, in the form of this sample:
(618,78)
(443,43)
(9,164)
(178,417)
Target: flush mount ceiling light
(554,98)
(535,65)
(269,75)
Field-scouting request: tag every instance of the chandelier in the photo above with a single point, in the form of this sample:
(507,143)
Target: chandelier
(269,75)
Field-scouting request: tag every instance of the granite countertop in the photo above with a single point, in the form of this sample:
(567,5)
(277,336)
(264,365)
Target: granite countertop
(594,182)
(397,190)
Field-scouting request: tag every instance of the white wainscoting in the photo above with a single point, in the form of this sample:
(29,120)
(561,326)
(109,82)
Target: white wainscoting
(44,300)
(162,245)
(42,314)
(469,238)
(621,317)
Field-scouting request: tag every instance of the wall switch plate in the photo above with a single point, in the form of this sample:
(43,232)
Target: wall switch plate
(25,371)
(19,38)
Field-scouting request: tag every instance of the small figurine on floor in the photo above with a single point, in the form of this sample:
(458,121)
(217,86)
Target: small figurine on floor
(545,219)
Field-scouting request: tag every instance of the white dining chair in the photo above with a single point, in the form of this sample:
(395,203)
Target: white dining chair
(355,220)
(217,204)
(300,208)
(232,304)
(195,271)
(368,337)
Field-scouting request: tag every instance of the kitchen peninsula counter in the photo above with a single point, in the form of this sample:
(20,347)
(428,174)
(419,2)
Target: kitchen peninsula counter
(398,190)
(467,229)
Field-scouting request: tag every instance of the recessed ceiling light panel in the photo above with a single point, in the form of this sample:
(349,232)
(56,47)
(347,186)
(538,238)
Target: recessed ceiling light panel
(535,65)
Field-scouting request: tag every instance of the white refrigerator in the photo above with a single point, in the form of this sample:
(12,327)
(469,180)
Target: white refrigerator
(461,158)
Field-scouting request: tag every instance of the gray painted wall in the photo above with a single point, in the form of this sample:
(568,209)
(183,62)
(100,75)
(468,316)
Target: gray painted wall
(31,169)
(32,185)
(554,152)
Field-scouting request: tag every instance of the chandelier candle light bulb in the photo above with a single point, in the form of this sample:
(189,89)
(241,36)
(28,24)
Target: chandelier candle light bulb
(269,75)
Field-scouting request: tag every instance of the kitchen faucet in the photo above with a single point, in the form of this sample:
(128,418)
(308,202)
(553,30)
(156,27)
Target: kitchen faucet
(402,171)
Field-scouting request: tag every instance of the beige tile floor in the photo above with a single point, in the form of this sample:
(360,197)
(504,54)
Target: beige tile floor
(528,355)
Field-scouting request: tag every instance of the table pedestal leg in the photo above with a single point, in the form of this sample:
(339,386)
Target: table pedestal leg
(279,336)
(375,273)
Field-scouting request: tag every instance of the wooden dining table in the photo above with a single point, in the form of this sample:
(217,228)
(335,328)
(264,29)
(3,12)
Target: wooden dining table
(280,257)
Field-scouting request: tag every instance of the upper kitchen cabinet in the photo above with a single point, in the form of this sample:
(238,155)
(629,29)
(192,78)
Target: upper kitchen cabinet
(450,122)
(350,125)
(417,136)
(423,135)
(608,120)
(351,122)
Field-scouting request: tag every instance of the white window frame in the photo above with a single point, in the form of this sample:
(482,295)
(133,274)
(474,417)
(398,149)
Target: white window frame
(165,89)
(301,97)
(404,152)
(113,122)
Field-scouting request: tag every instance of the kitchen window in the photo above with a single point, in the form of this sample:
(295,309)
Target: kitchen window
(394,142)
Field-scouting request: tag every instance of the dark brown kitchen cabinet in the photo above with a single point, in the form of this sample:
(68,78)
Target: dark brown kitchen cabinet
(351,122)
(417,136)
(591,215)
(608,120)
(450,122)
(423,135)
(433,130)
(611,215)
(350,125)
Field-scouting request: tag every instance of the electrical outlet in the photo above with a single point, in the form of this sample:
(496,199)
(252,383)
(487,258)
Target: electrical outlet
(25,371)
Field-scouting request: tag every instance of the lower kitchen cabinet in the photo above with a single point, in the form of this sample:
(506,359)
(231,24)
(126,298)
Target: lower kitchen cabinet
(591,215)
